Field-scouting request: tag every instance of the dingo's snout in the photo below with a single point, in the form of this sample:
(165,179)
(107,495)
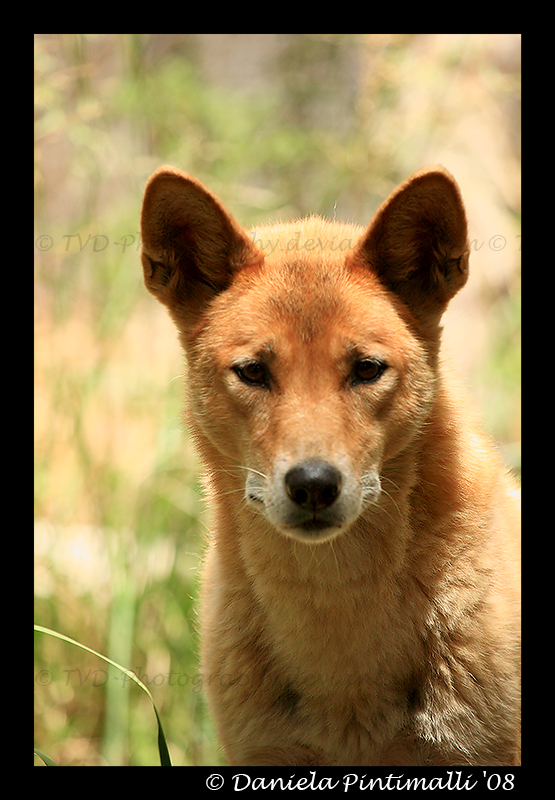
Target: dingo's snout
(313,485)
(312,500)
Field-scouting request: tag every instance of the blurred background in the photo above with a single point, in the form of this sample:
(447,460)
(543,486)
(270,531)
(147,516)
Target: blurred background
(277,125)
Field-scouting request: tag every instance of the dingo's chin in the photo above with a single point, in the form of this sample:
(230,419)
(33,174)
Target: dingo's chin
(314,532)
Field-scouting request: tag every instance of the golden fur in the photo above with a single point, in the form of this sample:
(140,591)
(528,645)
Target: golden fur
(360,600)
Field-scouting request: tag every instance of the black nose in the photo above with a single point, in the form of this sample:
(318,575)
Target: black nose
(313,485)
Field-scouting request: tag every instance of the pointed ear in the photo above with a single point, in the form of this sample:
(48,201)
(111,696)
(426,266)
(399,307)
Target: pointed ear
(191,245)
(417,243)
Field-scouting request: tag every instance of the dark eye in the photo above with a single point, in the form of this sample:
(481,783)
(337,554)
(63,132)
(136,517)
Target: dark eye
(367,370)
(253,373)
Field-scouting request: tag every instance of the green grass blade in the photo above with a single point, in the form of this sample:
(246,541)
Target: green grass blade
(47,760)
(165,760)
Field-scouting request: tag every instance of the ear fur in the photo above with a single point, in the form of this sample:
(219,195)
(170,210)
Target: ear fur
(191,245)
(417,243)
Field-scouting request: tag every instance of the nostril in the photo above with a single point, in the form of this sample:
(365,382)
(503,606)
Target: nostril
(313,485)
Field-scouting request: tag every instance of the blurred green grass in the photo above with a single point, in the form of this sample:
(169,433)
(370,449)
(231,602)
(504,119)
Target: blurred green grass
(120,519)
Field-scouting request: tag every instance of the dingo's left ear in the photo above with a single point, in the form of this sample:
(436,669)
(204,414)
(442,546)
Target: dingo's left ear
(191,244)
(417,243)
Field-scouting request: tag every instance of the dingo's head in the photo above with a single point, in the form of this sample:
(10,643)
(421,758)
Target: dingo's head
(311,346)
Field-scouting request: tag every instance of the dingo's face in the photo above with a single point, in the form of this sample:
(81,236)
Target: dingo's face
(311,361)
(306,376)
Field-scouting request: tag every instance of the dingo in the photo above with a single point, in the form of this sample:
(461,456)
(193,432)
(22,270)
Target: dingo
(361,588)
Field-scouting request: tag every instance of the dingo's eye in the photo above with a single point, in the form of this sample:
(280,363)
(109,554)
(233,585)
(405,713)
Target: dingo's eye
(253,373)
(367,370)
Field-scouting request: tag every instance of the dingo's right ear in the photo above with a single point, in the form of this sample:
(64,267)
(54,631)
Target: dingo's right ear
(417,243)
(191,246)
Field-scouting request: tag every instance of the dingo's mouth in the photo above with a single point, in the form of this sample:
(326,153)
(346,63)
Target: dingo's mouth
(310,529)
(314,530)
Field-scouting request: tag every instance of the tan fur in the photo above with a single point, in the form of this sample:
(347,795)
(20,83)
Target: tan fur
(361,587)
